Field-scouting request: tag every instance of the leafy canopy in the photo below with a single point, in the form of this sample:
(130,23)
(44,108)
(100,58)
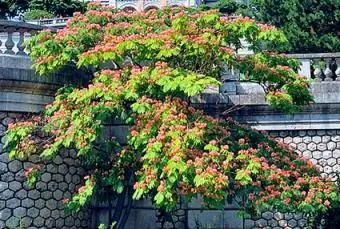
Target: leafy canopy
(145,68)
(36,8)
(309,25)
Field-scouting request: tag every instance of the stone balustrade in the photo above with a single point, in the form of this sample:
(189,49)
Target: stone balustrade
(14,34)
(145,5)
(53,22)
(320,66)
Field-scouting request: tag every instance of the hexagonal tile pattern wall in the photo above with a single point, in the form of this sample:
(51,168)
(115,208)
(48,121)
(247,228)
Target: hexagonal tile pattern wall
(39,207)
(322,147)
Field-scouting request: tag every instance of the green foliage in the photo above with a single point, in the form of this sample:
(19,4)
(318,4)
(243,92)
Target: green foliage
(146,67)
(58,7)
(35,8)
(309,25)
(11,8)
(37,14)
(229,6)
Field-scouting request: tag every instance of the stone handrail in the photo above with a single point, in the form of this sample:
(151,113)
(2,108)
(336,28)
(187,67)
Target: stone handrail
(319,66)
(14,34)
(58,22)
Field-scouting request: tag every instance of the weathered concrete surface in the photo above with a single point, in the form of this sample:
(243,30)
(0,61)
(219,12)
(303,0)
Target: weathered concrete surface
(22,90)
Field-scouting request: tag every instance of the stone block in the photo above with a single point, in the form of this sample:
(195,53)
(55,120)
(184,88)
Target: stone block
(268,215)
(63,186)
(13,222)
(3,168)
(76,179)
(52,186)
(261,223)
(6,121)
(311,132)
(41,186)
(59,223)
(297,140)
(20,176)
(3,186)
(26,222)
(55,214)
(3,157)
(39,222)
(5,214)
(307,154)
(14,166)
(336,168)
(331,145)
(316,139)
(46,195)
(58,194)
(317,154)
(33,212)
(205,219)
(15,185)
(27,203)
(335,138)
(327,154)
(307,139)
(327,169)
(331,161)
(13,203)
(6,194)
(311,146)
(40,203)
(34,194)
(45,213)
(326,139)
(51,204)
(19,212)
(58,160)
(288,140)
(62,169)
(302,147)
(50,223)
(69,221)
(46,177)
(278,216)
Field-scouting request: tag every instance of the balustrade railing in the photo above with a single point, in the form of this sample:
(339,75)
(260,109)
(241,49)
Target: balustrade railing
(14,34)
(319,66)
(50,21)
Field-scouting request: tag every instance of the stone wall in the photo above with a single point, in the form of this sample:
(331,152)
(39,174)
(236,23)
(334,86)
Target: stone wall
(39,206)
(314,132)
(322,147)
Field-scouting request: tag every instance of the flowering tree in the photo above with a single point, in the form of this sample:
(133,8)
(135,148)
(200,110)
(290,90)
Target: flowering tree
(145,67)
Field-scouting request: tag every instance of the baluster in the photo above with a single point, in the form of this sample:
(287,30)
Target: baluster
(317,71)
(20,44)
(337,70)
(9,44)
(328,72)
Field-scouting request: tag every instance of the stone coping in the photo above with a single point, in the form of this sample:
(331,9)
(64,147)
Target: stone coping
(314,55)
(21,90)
(15,25)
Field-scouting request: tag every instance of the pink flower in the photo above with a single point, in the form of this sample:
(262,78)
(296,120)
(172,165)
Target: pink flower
(327,203)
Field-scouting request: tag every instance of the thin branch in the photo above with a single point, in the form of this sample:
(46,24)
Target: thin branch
(232,109)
